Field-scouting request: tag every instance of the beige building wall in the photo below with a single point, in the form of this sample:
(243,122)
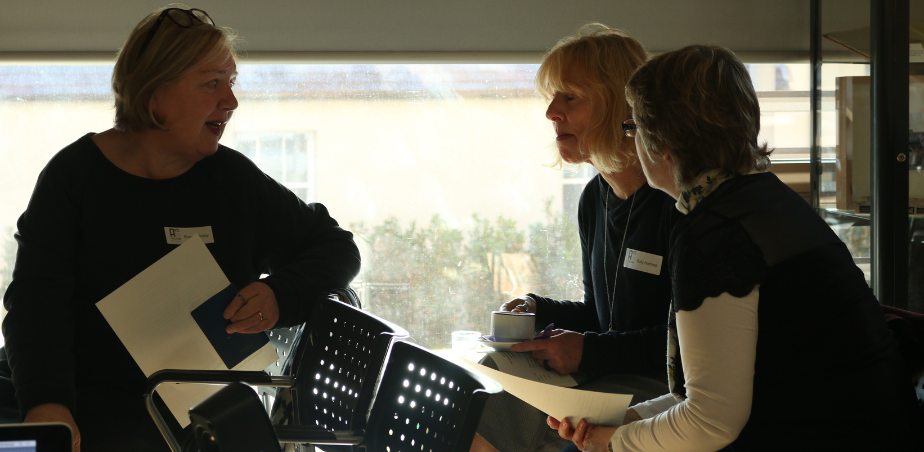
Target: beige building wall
(413,159)
(30,134)
(374,158)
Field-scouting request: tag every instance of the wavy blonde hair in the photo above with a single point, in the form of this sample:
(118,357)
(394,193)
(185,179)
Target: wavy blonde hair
(604,58)
(173,52)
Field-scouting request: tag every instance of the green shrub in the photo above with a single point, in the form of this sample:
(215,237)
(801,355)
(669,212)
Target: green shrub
(436,279)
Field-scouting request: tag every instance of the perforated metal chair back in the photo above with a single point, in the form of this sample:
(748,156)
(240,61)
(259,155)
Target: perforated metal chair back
(284,339)
(337,370)
(426,403)
(284,342)
(345,345)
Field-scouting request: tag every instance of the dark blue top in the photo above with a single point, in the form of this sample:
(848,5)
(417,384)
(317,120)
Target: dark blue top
(642,300)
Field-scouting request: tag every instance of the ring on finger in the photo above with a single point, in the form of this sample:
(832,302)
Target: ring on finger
(261,315)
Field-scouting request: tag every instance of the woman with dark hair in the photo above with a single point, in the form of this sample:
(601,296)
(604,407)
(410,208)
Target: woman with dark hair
(776,341)
(100,213)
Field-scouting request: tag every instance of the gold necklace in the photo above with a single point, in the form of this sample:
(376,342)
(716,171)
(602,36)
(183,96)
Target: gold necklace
(606,225)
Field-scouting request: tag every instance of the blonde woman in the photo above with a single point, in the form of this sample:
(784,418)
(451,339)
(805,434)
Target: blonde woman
(100,214)
(614,338)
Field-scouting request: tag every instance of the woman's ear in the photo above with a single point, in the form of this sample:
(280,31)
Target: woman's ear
(152,102)
(667,154)
(152,107)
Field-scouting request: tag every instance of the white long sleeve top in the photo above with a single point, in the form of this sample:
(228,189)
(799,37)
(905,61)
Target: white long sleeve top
(718,343)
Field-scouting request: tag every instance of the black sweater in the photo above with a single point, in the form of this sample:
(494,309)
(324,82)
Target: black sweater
(642,300)
(90,227)
(828,374)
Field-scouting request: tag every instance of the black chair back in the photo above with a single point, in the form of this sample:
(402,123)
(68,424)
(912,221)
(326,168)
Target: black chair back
(426,403)
(336,370)
(283,341)
(327,380)
(423,403)
(340,369)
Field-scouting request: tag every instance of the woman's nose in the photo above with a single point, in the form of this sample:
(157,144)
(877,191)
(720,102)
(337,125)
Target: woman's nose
(553,113)
(230,101)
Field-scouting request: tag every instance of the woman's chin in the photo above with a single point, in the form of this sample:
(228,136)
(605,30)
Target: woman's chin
(572,158)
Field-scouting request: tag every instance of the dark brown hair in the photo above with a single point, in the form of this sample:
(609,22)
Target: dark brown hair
(698,102)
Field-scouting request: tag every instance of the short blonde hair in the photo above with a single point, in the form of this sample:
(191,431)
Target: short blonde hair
(605,58)
(699,102)
(172,53)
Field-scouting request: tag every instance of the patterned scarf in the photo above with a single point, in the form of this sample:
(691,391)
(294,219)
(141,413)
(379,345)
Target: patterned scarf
(705,184)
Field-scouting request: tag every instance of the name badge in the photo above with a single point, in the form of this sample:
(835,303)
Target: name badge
(642,261)
(176,236)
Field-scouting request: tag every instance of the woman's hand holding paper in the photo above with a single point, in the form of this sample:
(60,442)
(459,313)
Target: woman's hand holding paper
(585,436)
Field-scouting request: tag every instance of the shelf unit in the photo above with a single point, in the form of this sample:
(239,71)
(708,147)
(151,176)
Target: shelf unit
(888,234)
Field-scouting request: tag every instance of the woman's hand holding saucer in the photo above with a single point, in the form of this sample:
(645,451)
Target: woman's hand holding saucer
(254,309)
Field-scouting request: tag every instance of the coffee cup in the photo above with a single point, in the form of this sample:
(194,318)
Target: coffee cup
(507,326)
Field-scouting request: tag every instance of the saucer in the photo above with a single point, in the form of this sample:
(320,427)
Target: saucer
(497,345)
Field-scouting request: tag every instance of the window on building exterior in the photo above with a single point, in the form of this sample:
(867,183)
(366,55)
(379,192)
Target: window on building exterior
(287,157)
(440,170)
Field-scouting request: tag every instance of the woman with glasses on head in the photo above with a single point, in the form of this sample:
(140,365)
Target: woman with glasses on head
(616,336)
(100,214)
(776,341)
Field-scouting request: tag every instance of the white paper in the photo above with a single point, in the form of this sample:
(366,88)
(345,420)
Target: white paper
(524,366)
(151,315)
(599,408)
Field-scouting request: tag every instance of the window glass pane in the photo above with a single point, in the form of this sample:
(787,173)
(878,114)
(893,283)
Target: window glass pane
(844,139)
(296,158)
(248,146)
(301,193)
(783,93)
(271,156)
(441,171)
(574,178)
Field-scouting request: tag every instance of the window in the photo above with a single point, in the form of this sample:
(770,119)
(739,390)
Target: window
(782,90)
(574,178)
(440,170)
(286,157)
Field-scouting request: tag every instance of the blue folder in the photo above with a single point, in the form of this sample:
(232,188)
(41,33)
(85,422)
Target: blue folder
(232,348)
